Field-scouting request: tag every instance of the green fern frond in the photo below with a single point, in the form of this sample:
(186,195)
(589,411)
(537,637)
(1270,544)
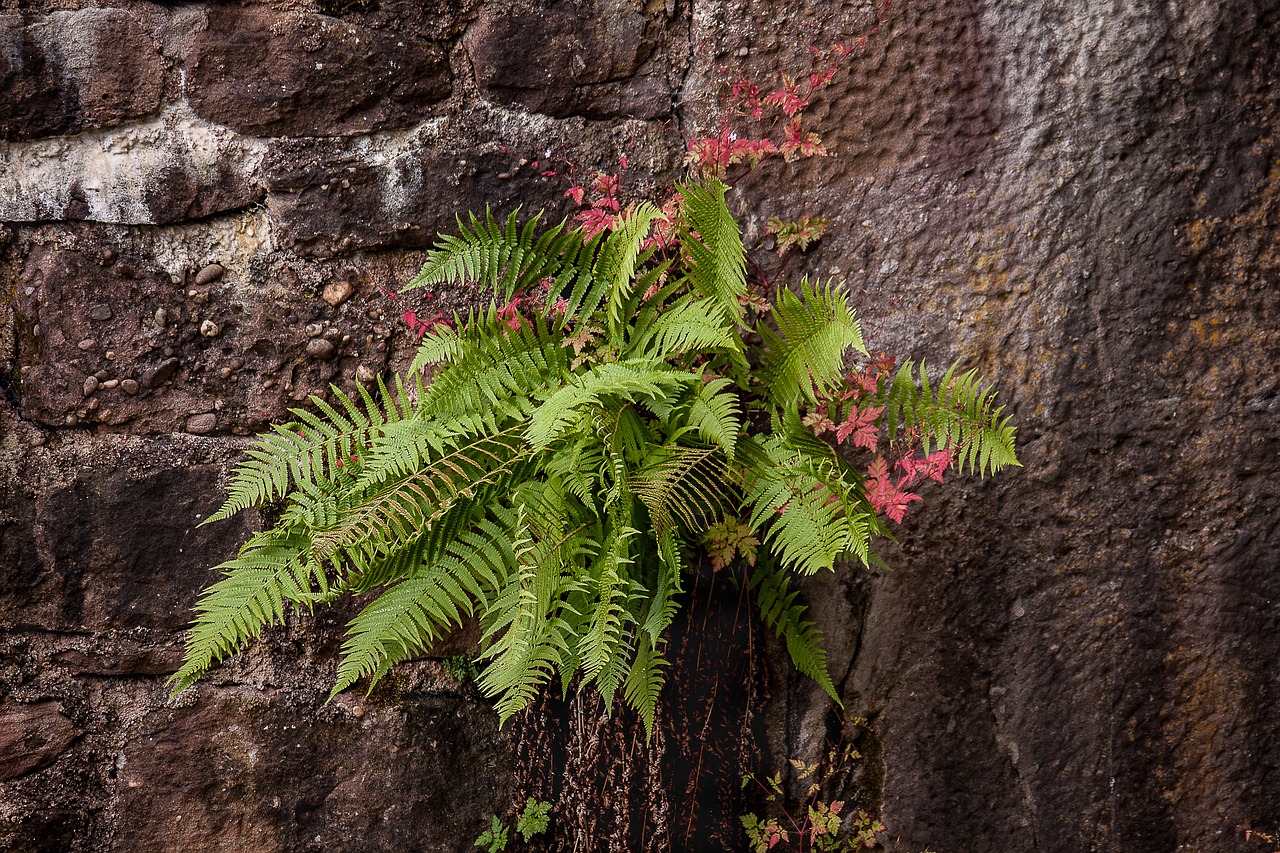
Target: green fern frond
(401,622)
(685,484)
(614,675)
(527,639)
(411,506)
(959,413)
(805,357)
(690,325)
(579,463)
(714,413)
(662,604)
(411,615)
(500,372)
(779,610)
(717,267)
(437,345)
(630,381)
(809,514)
(603,643)
(587,284)
(500,255)
(302,453)
(622,255)
(644,684)
(401,448)
(270,569)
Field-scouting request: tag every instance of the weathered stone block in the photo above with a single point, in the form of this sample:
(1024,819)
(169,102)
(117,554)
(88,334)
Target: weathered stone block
(68,71)
(105,536)
(169,169)
(261,773)
(302,74)
(327,214)
(593,58)
(32,736)
(322,192)
(171,356)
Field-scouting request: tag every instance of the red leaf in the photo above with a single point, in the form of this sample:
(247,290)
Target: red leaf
(787,98)
(884,496)
(510,314)
(751,150)
(821,78)
(936,464)
(595,220)
(861,423)
(801,143)
(710,153)
(606,185)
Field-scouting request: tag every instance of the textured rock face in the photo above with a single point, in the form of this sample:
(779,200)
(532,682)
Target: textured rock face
(163,170)
(115,334)
(601,59)
(263,73)
(32,736)
(264,774)
(1080,200)
(74,70)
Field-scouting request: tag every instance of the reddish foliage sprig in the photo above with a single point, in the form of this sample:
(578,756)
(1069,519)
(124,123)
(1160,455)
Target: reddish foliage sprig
(420,326)
(713,155)
(602,212)
(847,418)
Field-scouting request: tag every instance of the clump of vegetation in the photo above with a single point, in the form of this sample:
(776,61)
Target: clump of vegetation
(533,821)
(819,823)
(626,403)
(462,668)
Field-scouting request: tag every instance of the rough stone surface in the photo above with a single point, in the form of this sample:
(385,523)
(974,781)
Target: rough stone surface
(269,774)
(321,190)
(312,75)
(1079,200)
(177,368)
(31,737)
(73,70)
(164,170)
(593,58)
(123,563)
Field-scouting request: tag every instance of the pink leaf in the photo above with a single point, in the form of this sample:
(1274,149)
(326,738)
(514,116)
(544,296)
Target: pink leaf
(801,143)
(861,423)
(595,221)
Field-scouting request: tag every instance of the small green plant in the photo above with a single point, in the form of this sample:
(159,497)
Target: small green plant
(493,839)
(798,234)
(534,819)
(462,668)
(625,404)
(819,826)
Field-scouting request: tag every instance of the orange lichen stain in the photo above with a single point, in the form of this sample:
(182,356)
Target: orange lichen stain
(1208,333)
(985,275)
(1209,703)
(1199,232)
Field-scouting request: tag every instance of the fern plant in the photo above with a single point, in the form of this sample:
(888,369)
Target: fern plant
(624,401)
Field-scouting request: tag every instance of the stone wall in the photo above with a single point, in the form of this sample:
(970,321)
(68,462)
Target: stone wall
(205,202)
